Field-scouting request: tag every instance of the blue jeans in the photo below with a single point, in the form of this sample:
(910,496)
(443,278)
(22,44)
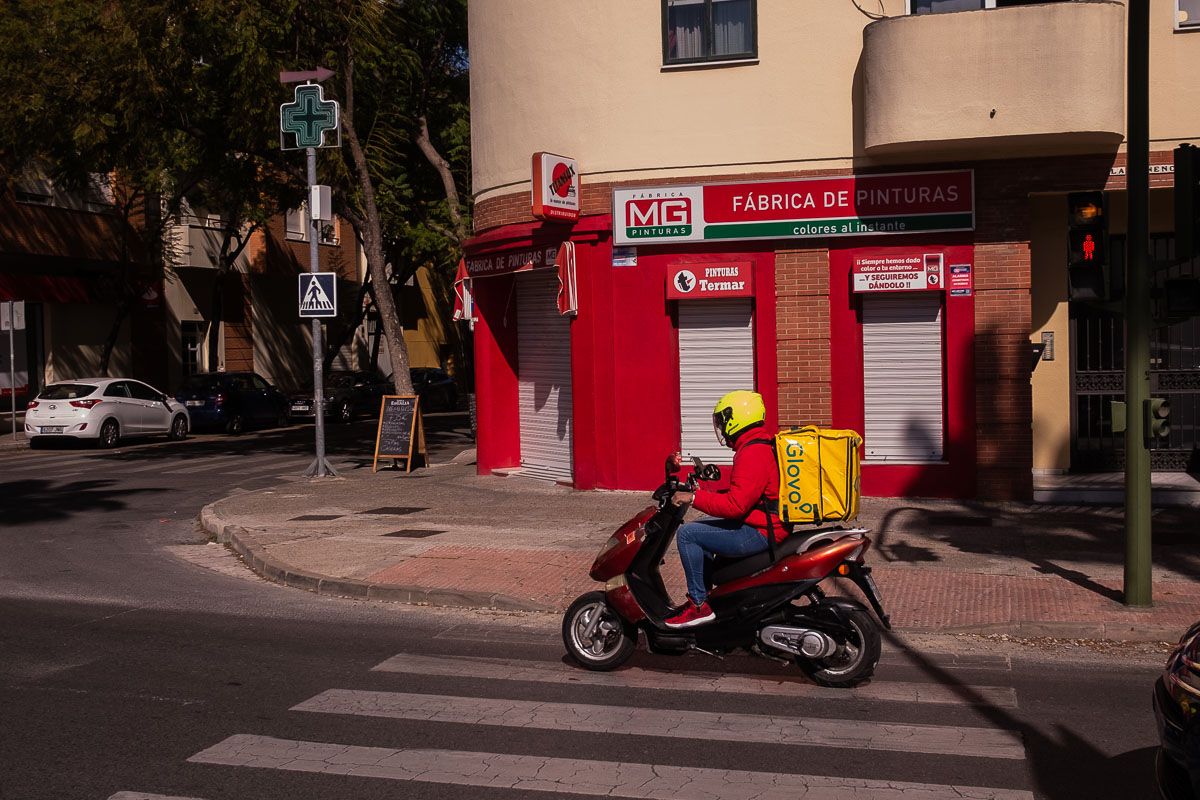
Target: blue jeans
(699,541)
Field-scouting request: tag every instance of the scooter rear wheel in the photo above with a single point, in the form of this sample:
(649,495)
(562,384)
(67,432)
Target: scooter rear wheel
(596,637)
(856,658)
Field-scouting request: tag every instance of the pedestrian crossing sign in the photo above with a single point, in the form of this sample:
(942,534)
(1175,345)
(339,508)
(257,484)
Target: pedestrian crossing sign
(318,294)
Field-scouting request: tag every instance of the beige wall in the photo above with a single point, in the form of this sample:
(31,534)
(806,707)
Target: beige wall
(75,335)
(585,78)
(1051,379)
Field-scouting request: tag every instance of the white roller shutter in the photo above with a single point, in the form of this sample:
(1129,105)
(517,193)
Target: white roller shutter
(716,356)
(902,377)
(543,377)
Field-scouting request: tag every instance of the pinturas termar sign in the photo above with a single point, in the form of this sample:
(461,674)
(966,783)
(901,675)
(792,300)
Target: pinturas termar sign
(848,205)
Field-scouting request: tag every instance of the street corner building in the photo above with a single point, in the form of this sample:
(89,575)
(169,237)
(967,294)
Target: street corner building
(868,218)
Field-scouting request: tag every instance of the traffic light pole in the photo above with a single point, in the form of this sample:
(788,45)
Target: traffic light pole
(1138,313)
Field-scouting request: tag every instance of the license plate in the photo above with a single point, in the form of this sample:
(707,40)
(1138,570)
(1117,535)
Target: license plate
(299,407)
(874,589)
(52,428)
(194,403)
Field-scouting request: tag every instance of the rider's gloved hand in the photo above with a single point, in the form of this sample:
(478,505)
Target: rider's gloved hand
(683,498)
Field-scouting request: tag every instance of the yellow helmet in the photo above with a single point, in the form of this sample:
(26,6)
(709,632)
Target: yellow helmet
(735,412)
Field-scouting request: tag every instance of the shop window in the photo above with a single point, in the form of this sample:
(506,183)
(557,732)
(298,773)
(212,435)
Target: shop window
(699,31)
(1187,15)
(945,6)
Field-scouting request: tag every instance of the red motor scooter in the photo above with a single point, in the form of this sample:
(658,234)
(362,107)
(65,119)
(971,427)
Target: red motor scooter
(771,603)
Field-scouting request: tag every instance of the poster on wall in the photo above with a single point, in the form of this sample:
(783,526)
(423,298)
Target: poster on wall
(910,273)
(710,280)
(846,205)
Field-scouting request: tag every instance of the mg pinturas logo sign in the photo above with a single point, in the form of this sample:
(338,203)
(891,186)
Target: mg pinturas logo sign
(850,205)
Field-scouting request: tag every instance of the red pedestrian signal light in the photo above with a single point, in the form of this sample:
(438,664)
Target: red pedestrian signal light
(1088,268)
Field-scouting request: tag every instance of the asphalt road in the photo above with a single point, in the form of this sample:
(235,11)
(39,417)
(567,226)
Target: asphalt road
(136,658)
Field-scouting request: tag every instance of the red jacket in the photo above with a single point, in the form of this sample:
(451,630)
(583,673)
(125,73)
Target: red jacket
(755,476)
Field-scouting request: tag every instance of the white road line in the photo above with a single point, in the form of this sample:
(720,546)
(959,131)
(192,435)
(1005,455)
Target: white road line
(809,731)
(570,775)
(182,463)
(40,462)
(637,678)
(147,796)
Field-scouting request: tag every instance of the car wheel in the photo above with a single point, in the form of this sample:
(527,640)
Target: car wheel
(236,425)
(110,433)
(179,428)
(345,412)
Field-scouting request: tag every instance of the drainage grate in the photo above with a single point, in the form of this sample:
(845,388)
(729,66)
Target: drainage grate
(413,533)
(316,517)
(395,511)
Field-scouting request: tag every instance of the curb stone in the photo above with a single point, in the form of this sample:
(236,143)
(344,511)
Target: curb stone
(239,540)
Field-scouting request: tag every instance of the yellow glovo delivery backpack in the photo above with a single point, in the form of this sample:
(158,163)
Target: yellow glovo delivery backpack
(818,475)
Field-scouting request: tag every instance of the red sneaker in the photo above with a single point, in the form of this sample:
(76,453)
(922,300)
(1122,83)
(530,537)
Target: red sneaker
(691,616)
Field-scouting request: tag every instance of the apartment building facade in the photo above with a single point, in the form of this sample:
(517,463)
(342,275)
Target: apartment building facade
(857,209)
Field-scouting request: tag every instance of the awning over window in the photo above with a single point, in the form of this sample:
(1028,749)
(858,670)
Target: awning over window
(560,258)
(464,304)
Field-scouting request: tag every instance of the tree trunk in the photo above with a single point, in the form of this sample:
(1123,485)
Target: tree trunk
(373,245)
(443,169)
(114,333)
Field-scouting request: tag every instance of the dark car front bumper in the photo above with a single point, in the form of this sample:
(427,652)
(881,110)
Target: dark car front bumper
(1178,764)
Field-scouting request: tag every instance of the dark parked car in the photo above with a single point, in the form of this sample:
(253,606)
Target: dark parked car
(435,388)
(1177,709)
(233,401)
(347,394)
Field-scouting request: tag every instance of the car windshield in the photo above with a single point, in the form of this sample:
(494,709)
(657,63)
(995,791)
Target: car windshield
(201,383)
(67,391)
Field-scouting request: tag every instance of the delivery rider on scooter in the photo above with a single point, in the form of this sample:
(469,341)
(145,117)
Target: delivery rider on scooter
(738,522)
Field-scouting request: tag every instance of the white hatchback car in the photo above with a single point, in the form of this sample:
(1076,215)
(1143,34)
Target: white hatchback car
(107,409)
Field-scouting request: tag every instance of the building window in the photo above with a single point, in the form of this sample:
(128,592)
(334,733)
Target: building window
(297,227)
(1187,15)
(696,31)
(944,6)
(193,344)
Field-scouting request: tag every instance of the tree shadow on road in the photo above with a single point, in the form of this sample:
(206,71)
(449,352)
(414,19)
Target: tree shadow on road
(23,502)
(1064,764)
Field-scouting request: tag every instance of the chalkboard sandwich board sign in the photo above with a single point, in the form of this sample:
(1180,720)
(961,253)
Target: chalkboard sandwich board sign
(400,434)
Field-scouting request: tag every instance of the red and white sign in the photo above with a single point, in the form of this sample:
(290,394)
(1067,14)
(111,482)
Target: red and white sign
(555,187)
(709,280)
(840,205)
(960,277)
(913,273)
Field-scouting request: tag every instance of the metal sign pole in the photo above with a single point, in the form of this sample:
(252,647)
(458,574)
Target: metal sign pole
(319,467)
(12,363)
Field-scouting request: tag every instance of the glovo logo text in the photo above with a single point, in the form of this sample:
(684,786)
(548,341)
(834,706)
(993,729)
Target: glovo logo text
(793,471)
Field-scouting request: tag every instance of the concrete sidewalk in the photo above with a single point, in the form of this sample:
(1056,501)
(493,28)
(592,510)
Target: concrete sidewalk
(446,536)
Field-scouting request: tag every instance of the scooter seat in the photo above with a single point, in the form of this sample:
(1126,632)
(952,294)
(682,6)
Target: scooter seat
(726,569)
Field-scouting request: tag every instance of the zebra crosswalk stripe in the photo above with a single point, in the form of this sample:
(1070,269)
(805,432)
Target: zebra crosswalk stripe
(569,775)
(808,731)
(476,667)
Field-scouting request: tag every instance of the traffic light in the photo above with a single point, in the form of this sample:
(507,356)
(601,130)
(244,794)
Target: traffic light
(1089,271)
(1187,202)
(1158,418)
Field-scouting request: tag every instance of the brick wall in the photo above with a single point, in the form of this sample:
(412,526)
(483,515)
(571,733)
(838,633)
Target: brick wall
(802,336)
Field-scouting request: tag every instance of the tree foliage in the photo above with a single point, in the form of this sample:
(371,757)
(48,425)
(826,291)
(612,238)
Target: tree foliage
(180,99)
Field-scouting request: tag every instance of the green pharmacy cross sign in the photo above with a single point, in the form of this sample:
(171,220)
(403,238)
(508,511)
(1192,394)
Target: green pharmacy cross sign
(308,118)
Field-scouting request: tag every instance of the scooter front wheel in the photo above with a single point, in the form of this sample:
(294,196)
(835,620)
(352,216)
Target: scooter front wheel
(596,637)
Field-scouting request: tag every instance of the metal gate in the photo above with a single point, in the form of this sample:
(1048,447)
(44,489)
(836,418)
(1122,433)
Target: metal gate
(1098,377)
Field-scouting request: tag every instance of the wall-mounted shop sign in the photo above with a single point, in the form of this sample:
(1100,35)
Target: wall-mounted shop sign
(910,273)
(555,187)
(848,205)
(710,280)
(512,261)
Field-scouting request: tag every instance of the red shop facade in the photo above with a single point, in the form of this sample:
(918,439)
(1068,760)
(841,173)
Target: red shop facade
(597,359)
